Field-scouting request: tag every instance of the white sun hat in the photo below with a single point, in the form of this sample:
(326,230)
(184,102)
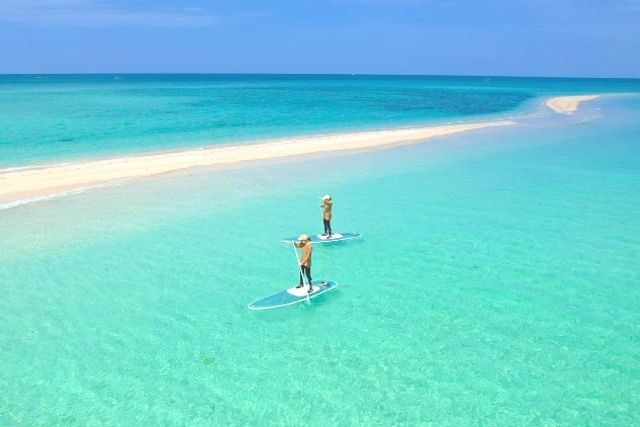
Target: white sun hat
(326,197)
(303,237)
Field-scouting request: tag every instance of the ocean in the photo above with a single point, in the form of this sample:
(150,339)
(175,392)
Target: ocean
(496,284)
(56,118)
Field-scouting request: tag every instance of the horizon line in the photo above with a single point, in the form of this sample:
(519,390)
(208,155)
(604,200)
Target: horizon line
(315,74)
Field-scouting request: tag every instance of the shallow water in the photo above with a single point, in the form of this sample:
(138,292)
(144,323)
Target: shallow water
(497,284)
(55,118)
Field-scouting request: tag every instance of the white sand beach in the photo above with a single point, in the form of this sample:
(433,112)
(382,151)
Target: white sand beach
(32,183)
(39,182)
(568,104)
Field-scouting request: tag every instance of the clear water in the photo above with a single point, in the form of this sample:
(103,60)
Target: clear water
(497,284)
(61,117)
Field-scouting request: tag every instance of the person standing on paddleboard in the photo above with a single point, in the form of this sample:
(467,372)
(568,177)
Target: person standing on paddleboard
(327,204)
(304,244)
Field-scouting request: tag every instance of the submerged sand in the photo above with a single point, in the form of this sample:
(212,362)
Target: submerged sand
(33,183)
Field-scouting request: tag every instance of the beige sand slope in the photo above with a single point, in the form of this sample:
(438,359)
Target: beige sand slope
(29,183)
(39,182)
(568,104)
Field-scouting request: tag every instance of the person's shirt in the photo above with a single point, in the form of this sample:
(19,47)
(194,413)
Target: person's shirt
(305,257)
(326,209)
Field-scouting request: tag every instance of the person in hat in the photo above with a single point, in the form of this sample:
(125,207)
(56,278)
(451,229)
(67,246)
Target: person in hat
(304,244)
(327,204)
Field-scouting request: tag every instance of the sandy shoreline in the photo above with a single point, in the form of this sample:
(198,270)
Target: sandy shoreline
(568,104)
(39,182)
(36,182)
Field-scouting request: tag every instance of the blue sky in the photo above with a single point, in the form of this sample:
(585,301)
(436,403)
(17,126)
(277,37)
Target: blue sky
(462,37)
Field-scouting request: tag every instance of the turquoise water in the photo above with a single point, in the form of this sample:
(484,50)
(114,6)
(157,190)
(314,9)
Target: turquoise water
(52,118)
(497,284)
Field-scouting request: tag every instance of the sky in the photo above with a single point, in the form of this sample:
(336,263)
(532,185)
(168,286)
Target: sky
(569,38)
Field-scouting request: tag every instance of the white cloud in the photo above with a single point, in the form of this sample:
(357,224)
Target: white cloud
(95,13)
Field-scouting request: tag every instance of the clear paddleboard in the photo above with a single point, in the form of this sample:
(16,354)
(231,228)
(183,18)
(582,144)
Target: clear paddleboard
(321,238)
(293,295)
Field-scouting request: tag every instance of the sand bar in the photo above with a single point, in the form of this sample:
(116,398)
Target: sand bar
(568,104)
(38,182)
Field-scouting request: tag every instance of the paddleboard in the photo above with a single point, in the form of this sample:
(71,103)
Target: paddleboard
(319,238)
(292,295)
